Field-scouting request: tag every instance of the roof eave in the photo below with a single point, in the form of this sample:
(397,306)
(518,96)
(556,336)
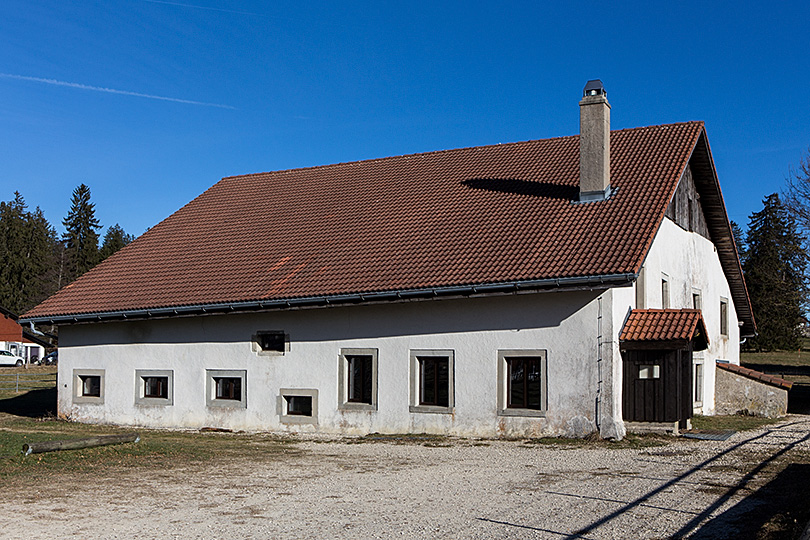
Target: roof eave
(487,289)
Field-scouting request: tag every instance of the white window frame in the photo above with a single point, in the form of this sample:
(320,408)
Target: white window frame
(78,397)
(343,380)
(281,406)
(211,388)
(141,399)
(503,382)
(415,380)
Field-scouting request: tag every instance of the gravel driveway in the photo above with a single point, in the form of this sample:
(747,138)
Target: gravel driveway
(465,489)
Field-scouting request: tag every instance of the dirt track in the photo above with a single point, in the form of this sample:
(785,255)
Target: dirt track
(471,490)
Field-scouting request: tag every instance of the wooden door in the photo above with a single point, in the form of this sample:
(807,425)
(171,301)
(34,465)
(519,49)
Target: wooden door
(657,386)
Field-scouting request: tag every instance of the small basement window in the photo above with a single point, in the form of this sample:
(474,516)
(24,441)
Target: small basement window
(298,405)
(271,342)
(154,387)
(226,388)
(88,386)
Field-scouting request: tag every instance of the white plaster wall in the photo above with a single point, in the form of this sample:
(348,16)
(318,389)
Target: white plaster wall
(565,324)
(691,262)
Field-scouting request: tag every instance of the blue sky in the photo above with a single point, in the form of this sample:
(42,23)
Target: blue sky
(151,102)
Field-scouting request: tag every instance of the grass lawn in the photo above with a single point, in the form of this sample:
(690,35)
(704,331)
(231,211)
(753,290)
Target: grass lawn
(30,417)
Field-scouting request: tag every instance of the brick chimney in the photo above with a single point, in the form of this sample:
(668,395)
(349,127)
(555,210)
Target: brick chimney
(594,143)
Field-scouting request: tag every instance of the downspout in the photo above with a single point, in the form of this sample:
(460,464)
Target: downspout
(599,380)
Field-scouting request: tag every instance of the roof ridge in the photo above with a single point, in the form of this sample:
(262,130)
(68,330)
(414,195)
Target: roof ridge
(446,150)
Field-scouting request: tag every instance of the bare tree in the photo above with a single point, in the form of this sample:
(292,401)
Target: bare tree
(797,193)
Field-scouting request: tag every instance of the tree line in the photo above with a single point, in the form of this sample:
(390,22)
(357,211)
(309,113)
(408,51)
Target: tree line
(36,261)
(774,257)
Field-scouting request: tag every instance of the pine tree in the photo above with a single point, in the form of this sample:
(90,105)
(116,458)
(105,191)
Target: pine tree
(774,272)
(81,238)
(27,248)
(114,239)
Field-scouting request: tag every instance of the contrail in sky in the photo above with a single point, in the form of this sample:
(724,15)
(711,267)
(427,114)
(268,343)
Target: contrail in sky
(111,90)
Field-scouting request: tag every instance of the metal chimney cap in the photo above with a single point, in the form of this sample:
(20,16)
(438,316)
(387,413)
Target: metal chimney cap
(594,88)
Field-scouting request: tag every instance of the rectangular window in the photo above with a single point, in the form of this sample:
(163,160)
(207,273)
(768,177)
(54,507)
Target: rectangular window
(723,317)
(664,292)
(360,377)
(522,382)
(434,380)
(154,386)
(226,388)
(525,383)
(357,380)
(298,406)
(88,386)
(698,384)
(432,384)
(697,300)
(649,372)
(271,342)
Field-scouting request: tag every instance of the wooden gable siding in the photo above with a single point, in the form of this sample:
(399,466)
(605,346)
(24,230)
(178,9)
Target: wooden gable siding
(685,208)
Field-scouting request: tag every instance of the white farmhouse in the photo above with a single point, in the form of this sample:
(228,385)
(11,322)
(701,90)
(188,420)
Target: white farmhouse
(559,286)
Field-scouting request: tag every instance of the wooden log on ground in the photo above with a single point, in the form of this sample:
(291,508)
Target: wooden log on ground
(72,444)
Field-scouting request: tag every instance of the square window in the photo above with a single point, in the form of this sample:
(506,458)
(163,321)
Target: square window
(226,388)
(432,381)
(154,387)
(298,406)
(88,386)
(91,385)
(357,379)
(271,342)
(522,383)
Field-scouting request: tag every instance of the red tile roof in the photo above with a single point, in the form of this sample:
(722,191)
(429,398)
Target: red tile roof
(664,325)
(756,375)
(465,217)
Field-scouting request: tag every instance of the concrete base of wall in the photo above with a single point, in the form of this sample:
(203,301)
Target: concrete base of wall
(661,428)
(737,394)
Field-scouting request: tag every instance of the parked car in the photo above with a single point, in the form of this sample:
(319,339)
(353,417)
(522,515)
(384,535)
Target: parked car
(9,359)
(50,359)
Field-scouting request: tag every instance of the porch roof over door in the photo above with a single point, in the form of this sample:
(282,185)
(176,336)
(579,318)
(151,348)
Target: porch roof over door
(664,329)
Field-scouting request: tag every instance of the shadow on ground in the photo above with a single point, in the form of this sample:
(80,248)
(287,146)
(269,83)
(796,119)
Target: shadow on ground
(32,404)
(777,510)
